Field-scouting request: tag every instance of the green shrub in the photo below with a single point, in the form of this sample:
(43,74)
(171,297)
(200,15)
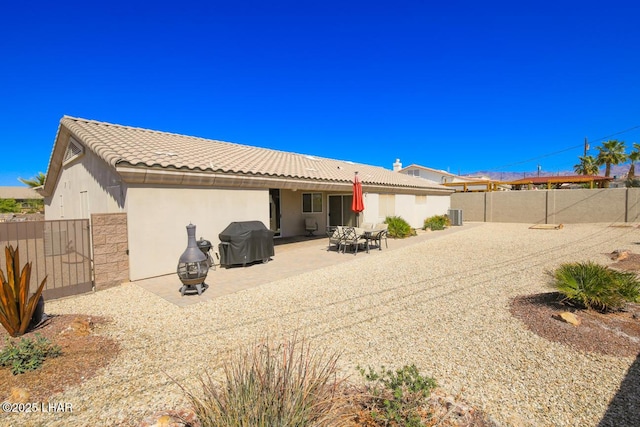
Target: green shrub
(9,206)
(628,285)
(398,227)
(268,385)
(436,222)
(595,286)
(28,354)
(398,397)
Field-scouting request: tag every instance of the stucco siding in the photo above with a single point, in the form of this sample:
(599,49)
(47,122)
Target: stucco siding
(405,206)
(436,205)
(292,219)
(371,211)
(158,218)
(433,176)
(85,186)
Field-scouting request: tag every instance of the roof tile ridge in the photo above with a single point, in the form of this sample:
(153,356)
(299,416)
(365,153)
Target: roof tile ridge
(93,142)
(157,132)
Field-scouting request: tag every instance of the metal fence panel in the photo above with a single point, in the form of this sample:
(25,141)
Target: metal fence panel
(59,250)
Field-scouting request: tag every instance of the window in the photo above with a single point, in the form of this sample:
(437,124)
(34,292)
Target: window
(311,202)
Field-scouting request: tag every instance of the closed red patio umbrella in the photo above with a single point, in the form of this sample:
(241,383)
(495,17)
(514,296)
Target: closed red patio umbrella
(357,205)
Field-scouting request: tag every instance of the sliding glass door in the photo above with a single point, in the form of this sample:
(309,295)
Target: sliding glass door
(340,212)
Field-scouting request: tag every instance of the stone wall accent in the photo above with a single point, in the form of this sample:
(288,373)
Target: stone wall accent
(110,249)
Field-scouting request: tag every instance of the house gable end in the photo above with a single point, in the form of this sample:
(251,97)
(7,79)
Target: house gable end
(74,151)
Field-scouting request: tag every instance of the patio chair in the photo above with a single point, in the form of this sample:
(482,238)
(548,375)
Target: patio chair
(335,238)
(352,237)
(310,226)
(382,234)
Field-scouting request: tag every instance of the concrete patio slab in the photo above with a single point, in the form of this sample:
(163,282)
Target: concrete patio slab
(299,256)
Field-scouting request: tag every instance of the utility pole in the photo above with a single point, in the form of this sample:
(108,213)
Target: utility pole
(586,146)
(539,167)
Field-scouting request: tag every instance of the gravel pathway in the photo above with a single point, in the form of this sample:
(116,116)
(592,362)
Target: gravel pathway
(441,304)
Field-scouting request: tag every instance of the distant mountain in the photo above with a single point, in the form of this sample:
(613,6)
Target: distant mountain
(618,171)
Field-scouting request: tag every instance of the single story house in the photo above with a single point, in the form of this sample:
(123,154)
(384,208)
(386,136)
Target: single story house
(164,181)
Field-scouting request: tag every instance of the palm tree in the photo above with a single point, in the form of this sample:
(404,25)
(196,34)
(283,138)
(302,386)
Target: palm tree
(611,153)
(634,156)
(587,166)
(36,181)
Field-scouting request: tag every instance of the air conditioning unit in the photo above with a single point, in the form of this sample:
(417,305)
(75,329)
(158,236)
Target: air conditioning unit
(455,216)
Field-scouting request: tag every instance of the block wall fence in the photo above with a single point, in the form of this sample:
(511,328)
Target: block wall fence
(608,205)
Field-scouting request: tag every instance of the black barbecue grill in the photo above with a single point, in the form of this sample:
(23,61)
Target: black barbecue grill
(245,242)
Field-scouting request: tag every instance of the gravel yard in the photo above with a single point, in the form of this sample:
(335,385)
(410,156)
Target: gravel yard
(441,304)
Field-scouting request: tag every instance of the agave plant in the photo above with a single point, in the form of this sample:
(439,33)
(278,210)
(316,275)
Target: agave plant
(16,310)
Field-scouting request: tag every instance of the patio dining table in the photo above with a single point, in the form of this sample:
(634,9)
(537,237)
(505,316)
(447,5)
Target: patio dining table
(371,234)
(343,236)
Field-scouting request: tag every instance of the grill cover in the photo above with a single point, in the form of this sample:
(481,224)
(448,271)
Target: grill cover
(245,242)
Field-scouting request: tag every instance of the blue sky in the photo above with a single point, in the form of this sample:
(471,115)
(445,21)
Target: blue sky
(460,85)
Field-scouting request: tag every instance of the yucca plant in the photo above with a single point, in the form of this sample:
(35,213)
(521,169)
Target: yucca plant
(16,309)
(595,286)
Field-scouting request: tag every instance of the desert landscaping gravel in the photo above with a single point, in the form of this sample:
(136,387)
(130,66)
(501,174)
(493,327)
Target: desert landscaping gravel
(441,304)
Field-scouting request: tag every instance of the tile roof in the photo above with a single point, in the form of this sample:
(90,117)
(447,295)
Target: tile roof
(124,146)
(19,193)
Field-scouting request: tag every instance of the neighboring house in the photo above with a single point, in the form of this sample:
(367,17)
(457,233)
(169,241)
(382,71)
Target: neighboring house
(26,198)
(164,181)
(458,182)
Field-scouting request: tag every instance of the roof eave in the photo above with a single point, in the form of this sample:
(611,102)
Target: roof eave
(55,161)
(162,176)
